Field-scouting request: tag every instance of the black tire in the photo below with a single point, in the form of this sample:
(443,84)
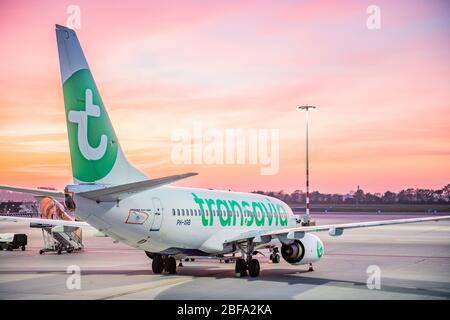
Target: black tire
(186,259)
(192,259)
(41,251)
(253,268)
(227,260)
(23,248)
(59,251)
(70,250)
(240,268)
(276,258)
(9,248)
(170,265)
(157,264)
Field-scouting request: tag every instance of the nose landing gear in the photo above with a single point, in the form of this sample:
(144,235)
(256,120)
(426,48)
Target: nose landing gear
(274,256)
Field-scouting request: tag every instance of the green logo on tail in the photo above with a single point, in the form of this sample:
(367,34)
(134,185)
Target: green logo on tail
(93,143)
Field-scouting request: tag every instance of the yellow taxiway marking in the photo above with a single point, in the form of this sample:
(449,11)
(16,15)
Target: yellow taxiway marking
(121,291)
(5,278)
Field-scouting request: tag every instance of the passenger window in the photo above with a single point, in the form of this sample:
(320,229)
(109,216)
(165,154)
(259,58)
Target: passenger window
(178,211)
(173,211)
(182,212)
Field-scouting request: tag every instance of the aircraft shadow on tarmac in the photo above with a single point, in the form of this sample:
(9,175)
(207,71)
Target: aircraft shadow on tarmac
(280,275)
(294,277)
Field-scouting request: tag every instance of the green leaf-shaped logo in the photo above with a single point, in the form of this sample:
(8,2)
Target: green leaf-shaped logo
(93,143)
(319,249)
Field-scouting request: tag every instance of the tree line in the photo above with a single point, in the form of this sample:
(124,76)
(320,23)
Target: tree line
(406,196)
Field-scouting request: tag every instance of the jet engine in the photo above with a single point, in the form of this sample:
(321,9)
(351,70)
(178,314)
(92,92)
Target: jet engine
(307,250)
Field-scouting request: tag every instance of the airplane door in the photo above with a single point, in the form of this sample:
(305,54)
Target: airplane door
(158,214)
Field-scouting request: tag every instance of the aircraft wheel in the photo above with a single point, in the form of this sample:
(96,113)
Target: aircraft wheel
(170,265)
(9,248)
(240,268)
(192,259)
(227,260)
(23,248)
(276,258)
(41,251)
(253,268)
(157,264)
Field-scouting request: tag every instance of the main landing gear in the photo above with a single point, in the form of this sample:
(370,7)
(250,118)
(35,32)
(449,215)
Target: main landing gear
(167,264)
(242,266)
(249,264)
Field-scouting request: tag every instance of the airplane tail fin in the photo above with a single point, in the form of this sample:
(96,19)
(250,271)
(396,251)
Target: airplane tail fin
(95,152)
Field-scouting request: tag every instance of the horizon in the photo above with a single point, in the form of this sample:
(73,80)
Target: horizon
(382,95)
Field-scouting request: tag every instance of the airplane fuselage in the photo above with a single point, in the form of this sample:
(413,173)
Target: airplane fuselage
(176,220)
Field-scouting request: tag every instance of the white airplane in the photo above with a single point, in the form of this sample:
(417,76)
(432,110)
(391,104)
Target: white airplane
(166,222)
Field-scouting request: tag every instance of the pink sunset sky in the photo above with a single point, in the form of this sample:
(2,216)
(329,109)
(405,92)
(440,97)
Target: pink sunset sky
(383,95)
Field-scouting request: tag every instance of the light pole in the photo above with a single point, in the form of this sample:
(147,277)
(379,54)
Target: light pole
(306,217)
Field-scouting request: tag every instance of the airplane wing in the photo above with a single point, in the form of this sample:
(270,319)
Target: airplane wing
(35,192)
(116,193)
(46,222)
(265,236)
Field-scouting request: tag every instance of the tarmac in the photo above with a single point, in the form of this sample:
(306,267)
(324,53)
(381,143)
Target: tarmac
(409,261)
